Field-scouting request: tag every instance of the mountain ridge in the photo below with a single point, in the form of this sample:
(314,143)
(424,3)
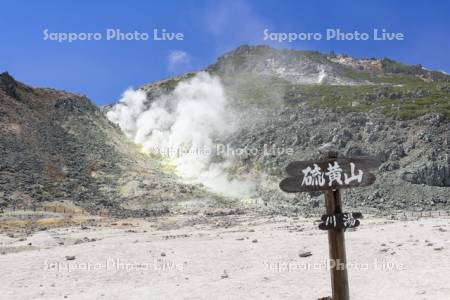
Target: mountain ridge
(58,146)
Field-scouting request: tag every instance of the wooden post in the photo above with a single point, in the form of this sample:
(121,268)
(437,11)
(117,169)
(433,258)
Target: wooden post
(311,176)
(336,242)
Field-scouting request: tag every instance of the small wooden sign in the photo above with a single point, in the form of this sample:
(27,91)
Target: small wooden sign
(330,174)
(340,221)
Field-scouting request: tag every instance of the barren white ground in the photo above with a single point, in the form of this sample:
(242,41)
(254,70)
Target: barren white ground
(388,260)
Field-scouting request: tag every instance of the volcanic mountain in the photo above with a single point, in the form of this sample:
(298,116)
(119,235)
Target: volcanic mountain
(58,146)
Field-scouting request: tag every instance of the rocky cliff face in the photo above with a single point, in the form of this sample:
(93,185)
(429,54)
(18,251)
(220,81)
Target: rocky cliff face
(57,146)
(302,100)
(414,154)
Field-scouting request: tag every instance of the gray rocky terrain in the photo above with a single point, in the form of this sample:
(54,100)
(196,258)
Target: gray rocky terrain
(302,100)
(58,146)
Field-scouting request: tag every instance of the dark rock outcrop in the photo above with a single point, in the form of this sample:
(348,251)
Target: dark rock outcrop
(432,174)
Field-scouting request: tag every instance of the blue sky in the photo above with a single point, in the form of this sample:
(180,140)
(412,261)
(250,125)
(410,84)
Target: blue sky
(103,69)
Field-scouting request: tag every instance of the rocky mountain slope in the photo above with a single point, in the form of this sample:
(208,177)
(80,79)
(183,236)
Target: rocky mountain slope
(57,147)
(302,100)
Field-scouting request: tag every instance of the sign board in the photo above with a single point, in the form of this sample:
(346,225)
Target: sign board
(330,174)
(340,221)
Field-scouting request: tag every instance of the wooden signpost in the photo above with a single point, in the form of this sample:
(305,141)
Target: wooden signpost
(330,175)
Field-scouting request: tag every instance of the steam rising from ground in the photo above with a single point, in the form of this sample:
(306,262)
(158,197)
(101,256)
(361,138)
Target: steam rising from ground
(184,125)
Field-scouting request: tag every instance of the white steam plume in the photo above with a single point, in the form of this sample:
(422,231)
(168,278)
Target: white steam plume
(184,124)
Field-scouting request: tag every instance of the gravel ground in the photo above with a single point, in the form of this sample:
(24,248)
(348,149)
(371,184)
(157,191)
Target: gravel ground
(253,258)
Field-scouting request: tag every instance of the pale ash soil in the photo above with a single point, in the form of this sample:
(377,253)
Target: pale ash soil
(415,255)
